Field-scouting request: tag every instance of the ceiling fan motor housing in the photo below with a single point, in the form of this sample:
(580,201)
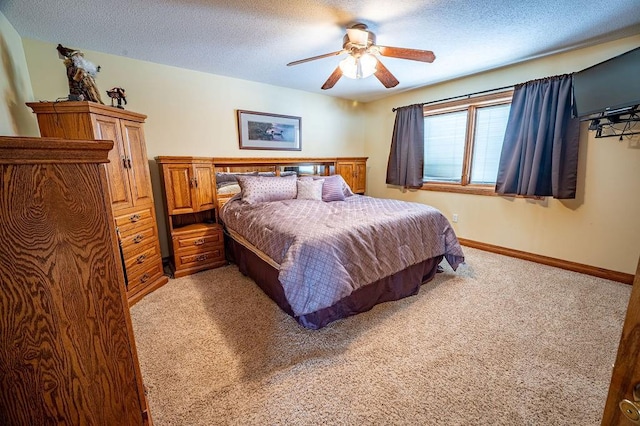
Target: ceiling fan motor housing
(358,37)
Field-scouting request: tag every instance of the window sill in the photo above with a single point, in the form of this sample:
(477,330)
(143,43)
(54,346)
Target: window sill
(461,189)
(471,189)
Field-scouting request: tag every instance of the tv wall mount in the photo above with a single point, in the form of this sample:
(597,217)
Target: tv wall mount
(618,123)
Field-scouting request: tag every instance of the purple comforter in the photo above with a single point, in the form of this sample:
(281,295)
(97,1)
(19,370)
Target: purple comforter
(325,251)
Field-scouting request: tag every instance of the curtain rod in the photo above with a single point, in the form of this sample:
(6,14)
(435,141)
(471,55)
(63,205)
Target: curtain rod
(460,96)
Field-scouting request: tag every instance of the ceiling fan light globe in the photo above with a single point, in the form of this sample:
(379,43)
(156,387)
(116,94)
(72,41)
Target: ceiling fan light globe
(358,67)
(368,65)
(349,67)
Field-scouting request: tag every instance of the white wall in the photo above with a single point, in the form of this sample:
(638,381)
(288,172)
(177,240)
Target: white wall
(193,113)
(600,228)
(15,85)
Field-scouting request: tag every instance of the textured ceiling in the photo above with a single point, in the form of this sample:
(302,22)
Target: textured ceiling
(254,40)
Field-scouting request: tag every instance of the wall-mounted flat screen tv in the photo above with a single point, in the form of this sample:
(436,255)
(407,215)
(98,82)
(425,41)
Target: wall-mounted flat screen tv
(608,87)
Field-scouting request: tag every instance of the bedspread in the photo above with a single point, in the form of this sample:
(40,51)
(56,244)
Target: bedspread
(327,250)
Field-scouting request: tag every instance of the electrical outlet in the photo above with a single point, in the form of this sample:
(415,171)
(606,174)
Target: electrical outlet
(455,217)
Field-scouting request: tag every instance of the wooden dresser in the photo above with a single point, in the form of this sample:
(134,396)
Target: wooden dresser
(190,200)
(129,182)
(67,353)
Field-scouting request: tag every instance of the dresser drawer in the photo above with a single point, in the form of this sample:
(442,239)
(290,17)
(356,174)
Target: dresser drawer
(200,258)
(134,228)
(133,218)
(148,264)
(146,255)
(205,239)
(142,237)
(138,278)
(131,224)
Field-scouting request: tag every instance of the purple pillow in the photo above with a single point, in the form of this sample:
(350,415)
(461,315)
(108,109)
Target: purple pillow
(332,189)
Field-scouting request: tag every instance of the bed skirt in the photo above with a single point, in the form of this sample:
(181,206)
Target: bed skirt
(394,287)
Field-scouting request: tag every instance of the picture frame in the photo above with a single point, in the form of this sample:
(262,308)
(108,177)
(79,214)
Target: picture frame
(261,130)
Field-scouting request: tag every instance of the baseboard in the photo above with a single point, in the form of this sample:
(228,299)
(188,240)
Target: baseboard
(558,263)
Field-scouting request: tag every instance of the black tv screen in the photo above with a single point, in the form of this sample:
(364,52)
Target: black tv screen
(609,86)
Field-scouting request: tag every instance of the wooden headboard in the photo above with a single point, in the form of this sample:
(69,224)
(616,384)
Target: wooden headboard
(352,169)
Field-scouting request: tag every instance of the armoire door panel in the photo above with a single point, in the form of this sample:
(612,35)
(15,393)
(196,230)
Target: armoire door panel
(360,181)
(346,171)
(137,162)
(205,197)
(108,128)
(180,195)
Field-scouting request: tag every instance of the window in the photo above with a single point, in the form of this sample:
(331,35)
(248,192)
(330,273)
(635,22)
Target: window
(462,143)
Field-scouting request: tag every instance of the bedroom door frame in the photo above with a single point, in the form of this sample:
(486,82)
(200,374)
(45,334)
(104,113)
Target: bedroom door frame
(626,371)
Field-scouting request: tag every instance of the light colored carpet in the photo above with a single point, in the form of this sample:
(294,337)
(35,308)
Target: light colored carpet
(500,342)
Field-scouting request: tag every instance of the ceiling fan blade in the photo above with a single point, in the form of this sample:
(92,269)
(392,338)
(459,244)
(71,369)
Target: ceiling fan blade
(313,58)
(385,76)
(333,79)
(412,54)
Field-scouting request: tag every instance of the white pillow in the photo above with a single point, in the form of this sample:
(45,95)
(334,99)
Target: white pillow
(258,189)
(310,189)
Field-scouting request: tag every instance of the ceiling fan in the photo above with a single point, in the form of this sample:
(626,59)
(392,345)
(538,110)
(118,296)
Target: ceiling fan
(362,62)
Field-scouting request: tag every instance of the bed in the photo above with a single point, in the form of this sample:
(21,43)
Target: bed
(326,258)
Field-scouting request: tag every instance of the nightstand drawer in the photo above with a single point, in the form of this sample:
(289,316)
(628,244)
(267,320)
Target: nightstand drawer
(200,258)
(213,237)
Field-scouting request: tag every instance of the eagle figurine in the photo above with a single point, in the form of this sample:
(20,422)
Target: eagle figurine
(118,94)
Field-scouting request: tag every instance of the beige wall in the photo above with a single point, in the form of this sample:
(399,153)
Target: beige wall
(15,86)
(600,228)
(194,113)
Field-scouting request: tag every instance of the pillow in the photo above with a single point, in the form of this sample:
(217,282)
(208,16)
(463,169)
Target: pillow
(333,189)
(223,178)
(310,189)
(258,189)
(346,189)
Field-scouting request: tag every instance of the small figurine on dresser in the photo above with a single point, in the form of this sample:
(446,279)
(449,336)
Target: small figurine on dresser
(119,94)
(81,75)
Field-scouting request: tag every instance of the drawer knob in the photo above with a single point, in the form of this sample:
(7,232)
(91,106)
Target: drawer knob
(144,278)
(199,242)
(134,218)
(141,258)
(201,258)
(138,238)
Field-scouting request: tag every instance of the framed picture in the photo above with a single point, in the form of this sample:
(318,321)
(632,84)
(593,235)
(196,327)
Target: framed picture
(259,130)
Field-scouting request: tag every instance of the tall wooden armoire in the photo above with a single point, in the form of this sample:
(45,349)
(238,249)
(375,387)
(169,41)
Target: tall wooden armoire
(67,353)
(128,177)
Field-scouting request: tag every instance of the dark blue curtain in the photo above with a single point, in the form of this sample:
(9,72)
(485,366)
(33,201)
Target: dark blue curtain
(406,158)
(540,150)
